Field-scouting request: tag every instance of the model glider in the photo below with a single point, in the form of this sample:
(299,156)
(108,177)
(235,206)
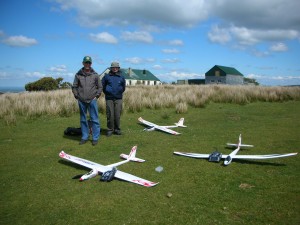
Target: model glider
(217,156)
(153,126)
(109,171)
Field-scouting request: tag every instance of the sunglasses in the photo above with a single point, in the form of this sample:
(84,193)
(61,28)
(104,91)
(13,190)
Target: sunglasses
(88,63)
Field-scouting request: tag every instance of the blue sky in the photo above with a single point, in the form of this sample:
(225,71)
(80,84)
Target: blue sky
(174,39)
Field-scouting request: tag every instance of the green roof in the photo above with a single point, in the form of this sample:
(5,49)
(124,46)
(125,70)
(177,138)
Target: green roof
(224,69)
(136,74)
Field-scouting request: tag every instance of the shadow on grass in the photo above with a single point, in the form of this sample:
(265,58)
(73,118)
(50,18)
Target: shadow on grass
(78,137)
(258,163)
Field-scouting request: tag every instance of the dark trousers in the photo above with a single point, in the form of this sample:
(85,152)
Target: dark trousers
(113,114)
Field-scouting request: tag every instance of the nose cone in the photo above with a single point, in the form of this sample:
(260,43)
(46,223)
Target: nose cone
(227,161)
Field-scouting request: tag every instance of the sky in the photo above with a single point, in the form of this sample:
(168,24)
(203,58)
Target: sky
(174,39)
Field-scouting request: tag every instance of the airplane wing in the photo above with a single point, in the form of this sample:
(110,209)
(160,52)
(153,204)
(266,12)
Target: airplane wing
(166,130)
(196,155)
(263,156)
(82,162)
(134,179)
(147,122)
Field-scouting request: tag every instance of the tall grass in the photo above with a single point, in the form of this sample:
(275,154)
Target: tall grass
(136,98)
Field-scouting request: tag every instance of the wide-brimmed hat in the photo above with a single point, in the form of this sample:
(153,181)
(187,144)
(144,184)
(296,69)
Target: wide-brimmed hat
(115,64)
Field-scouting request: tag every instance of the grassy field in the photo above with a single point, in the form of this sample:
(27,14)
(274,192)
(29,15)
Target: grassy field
(36,185)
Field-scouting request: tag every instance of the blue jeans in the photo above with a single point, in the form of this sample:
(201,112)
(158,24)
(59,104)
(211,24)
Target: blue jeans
(92,107)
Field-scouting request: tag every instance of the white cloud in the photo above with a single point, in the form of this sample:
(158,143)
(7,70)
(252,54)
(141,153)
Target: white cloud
(257,14)
(2,33)
(157,67)
(174,60)
(59,68)
(247,36)
(19,41)
(104,37)
(219,35)
(137,36)
(176,42)
(170,51)
(177,75)
(4,75)
(112,12)
(35,74)
(279,47)
(138,60)
(275,80)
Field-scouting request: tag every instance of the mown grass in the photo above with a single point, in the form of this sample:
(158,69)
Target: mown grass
(36,185)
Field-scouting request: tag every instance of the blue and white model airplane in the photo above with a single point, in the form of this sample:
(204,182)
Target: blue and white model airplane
(109,171)
(217,156)
(153,126)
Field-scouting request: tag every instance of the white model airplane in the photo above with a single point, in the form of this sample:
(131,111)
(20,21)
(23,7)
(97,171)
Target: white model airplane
(153,126)
(109,171)
(217,156)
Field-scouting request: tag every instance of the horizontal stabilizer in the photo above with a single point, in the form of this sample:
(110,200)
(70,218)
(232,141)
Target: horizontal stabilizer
(241,145)
(135,159)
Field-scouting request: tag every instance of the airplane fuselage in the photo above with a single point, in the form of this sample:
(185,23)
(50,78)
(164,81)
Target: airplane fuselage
(228,160)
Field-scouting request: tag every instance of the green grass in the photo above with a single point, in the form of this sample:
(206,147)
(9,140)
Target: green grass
(36,185)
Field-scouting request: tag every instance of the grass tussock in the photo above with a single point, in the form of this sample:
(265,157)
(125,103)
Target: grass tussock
(137,98)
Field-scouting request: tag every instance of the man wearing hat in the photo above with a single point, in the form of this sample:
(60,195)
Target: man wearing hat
(113,87)
(87,88)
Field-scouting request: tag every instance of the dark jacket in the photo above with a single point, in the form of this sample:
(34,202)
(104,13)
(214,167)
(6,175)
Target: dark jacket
(113,85)
(86,86)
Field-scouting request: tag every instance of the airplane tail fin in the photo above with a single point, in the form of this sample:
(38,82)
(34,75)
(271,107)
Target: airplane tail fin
(180,123)
(131,156)
(239,144)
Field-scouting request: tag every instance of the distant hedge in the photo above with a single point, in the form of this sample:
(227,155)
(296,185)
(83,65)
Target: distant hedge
(47,84)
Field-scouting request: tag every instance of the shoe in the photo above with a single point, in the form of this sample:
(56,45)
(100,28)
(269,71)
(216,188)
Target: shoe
(94,142)
(82,142)
(109,133)
(118,132)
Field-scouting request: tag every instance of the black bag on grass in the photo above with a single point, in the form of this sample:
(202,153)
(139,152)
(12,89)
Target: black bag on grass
(72,131)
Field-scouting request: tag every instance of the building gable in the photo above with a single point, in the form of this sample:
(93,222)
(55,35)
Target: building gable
(222,71)
(223,75)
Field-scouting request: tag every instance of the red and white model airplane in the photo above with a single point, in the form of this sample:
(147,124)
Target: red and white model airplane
(217,156)
(109,171)
(153,126)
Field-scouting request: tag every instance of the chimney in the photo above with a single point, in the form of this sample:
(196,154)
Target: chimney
(129,71)
(144,71)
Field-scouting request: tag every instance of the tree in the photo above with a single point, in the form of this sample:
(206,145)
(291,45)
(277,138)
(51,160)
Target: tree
(250,81)
(44,84)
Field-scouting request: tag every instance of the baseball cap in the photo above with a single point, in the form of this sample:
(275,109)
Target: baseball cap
(87,59)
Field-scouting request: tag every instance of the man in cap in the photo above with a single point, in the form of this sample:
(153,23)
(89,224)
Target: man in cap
(113,87)
(87,88)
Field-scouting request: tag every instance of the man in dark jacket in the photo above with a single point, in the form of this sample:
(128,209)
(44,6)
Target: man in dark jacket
(113,87)
(87,88)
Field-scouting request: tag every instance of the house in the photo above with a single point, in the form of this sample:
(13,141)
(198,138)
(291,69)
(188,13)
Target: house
(136,76)
(191,81)
(224,75)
